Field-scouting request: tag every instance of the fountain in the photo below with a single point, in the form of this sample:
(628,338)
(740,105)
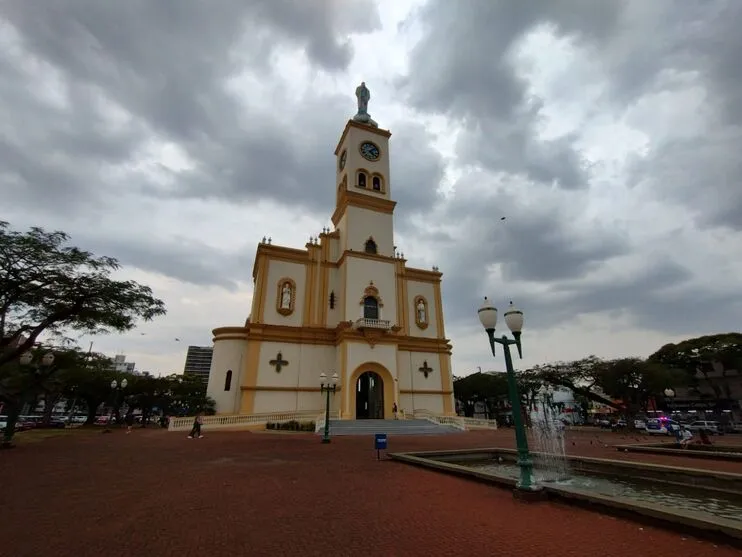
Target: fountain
(550,456)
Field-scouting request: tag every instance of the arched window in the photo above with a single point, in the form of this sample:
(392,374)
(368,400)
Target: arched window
(370,308)
(361,179)
(376,183)
(370,246)
(228,380)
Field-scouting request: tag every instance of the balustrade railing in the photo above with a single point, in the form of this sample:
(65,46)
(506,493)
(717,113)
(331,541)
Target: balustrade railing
(318,417)
(365,323)
(459,422)
(319,422)
(241,420)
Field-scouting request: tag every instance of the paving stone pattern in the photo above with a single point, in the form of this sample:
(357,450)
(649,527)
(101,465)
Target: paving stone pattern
(261,494)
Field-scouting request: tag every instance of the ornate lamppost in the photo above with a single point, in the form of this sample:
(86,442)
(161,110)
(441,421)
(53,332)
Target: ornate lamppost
(514,321)
(46,362)
(327,387)
(117,389)
(669,396)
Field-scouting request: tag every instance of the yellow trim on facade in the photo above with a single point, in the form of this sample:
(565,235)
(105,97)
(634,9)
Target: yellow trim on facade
(329,337)
(250,373)
(306,317)
(424,392)
(283,389)
(353,124)
(362,200)
(363,255)
(401,301)
(386,377)
(261,288)
(406,306)
(440,329)
(446,383)
(344,379)
(422,275)
(279,253)
(324,279)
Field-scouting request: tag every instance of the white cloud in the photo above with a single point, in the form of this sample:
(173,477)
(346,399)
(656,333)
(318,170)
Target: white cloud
(607,152)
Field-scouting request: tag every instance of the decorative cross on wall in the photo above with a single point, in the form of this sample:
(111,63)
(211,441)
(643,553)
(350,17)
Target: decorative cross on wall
(425,369)
(279,362)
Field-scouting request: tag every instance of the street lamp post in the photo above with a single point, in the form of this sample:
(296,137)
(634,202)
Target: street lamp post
(669,396)
(514,321)
(117,388)
(327,387)
(46,362)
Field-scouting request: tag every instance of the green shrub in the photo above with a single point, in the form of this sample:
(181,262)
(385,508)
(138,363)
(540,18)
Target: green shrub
(291,425)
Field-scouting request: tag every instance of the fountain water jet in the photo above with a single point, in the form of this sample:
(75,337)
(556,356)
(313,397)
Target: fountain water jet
(551,463)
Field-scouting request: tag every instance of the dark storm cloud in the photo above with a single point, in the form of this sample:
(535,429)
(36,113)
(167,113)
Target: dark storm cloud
(462,67)
(179,258)
(166,64)
(163,67)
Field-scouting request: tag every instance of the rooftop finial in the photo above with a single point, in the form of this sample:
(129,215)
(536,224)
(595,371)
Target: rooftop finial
(363,95)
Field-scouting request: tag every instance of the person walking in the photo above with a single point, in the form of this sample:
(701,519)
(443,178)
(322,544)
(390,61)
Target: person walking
(196,430)
(395,410)
(129,420)
(686,436)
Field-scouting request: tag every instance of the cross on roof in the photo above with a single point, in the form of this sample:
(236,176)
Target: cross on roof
(425,369)
(279,362)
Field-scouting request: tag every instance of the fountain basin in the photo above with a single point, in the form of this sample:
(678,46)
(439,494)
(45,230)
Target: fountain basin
(700,502)
(713,452)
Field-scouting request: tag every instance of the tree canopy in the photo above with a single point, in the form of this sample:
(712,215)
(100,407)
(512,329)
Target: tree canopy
(47,286)
(700,353)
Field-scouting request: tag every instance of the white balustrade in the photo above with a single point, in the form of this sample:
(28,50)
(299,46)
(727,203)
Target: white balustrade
(234,421)
(364,323)
(241,420)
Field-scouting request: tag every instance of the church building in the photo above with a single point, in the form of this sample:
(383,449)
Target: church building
(345,304)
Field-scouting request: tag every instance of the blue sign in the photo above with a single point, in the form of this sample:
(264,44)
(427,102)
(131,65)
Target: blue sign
(380,441)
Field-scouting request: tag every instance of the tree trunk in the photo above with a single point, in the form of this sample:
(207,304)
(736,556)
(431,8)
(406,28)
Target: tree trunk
(13,412)
(49,403)
(92,407)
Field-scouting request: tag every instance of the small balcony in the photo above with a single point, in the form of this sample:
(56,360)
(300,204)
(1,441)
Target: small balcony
(366,323)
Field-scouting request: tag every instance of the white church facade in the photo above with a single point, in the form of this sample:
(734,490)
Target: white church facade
(347,303)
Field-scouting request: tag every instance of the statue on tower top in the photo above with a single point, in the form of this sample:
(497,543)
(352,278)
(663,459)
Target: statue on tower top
(363,95)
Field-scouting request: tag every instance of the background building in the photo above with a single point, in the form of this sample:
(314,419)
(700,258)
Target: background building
(120,365)
(198,362)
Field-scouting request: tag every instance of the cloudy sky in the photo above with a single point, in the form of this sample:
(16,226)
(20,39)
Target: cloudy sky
(175,134)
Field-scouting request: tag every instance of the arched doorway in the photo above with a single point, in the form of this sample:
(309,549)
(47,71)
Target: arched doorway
(370,396)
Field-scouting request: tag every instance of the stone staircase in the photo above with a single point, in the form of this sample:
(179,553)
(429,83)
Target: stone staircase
(390,427)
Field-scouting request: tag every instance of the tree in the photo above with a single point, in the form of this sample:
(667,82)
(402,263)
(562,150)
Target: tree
(582,377)
(697,354)
(146,393)
(21,384)
(488,388)
(49,287)
(90,382)
(702,355)
(186,396)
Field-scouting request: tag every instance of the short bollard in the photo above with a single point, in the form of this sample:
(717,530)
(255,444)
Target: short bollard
(379,444)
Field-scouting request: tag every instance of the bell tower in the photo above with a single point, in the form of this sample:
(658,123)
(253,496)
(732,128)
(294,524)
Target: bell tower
(364,208)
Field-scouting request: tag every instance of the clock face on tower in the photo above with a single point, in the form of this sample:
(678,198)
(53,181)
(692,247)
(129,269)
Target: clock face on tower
(369,151)
(343,158)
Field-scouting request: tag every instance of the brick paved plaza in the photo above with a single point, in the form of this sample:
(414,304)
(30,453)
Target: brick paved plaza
(154,493)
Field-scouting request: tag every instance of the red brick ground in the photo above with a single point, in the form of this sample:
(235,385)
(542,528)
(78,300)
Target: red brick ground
(155,493)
